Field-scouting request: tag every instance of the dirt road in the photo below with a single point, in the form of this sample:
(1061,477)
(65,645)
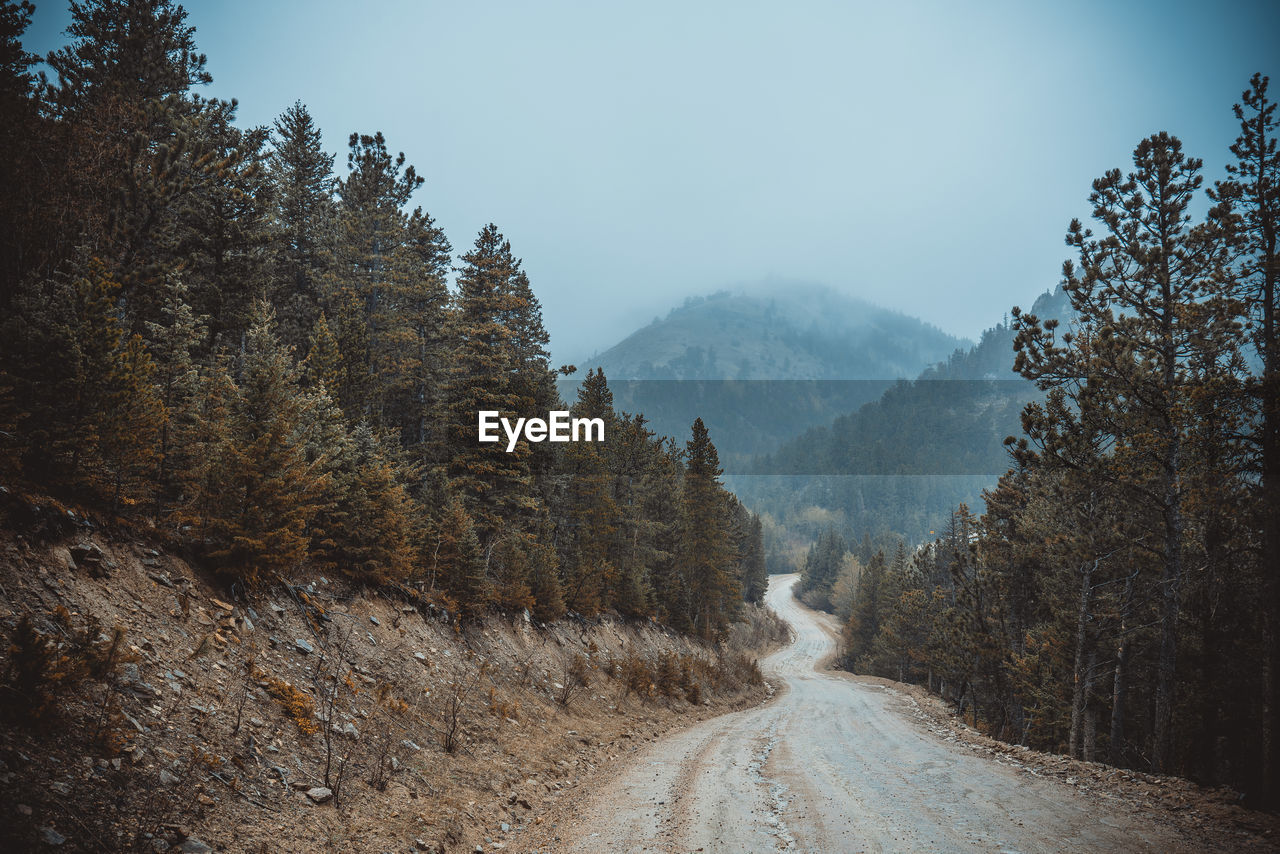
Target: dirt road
(833,765)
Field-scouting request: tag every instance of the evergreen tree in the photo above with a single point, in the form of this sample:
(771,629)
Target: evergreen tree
(494,485)
(264,491)
(1149,298)
(1250,201)
(658,503)
(420,335)
(222,224)
(131,149)
(177,376)
(864,624)
(23,138)
(139,50)
(323,367)
(706,558)
(458,560)
(544,578)
(301,175)
(86,398)
(372,263)
(512,575)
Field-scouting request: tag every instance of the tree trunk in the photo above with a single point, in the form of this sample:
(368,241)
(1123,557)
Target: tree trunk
(1089,736)
(1167,659)
(1081,674)
(1120,683)
(1270,453)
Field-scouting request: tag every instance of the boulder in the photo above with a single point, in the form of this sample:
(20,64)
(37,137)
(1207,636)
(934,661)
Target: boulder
(320,794)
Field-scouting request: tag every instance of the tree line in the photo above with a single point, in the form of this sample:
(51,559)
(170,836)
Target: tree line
(210,331)
(1119,599)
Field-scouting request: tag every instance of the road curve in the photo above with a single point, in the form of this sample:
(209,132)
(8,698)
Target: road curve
(832,765)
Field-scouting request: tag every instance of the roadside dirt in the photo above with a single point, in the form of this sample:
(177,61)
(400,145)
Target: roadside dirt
(840,763)
(204,750)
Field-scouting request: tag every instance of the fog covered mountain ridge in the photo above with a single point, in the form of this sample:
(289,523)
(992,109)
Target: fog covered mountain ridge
(778,330)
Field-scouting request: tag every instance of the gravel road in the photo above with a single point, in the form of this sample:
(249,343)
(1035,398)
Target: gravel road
(833,765)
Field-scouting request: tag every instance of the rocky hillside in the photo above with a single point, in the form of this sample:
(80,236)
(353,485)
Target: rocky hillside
(146,710)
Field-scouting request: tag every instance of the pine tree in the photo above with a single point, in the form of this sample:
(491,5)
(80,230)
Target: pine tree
(323,367)
(420,311)
(705,558)
(658,503)
(85,397)
(512,575)
(222,222)
(132,416)
(544,578)
(301,174)
(591,537)
(1250,201)
(350,331)
(634,457)
(458,560)
(139,50)
(264,491)
(372,263)
(131,149)
(592,517)
(375,540)
(864,624)
(173,343)
(1148,294)
(495,486)
(22,144)
(534,383)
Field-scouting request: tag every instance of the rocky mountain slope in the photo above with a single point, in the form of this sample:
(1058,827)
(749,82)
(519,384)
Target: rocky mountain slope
(146,709)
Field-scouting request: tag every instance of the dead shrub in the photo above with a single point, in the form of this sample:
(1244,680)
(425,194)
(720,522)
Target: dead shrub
(637,678)
(455,710)
(667,675)
(45,668)
(386,729)
(575,674)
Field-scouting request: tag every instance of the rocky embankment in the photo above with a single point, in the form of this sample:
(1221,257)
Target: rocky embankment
(146,709)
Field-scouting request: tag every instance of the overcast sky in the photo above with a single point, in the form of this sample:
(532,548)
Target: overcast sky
(924,156)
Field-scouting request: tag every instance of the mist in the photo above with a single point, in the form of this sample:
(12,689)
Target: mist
(926,157)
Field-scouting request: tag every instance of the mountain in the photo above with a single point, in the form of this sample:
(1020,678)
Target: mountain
(777,331)
(901,463)
(764,364)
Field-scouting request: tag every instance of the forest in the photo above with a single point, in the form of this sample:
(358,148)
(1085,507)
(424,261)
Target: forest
(1119,598)
(211,334)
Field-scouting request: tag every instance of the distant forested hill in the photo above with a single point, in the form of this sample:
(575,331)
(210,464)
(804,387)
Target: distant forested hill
(777,331)
(901,463)
(764,365)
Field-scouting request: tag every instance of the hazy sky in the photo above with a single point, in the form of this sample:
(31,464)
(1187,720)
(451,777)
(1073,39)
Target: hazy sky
(924,156)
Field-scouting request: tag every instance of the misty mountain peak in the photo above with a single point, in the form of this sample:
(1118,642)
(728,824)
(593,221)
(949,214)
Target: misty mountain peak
(778,329)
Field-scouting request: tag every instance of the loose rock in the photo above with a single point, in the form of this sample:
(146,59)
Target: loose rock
(51,837)
(320,794)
